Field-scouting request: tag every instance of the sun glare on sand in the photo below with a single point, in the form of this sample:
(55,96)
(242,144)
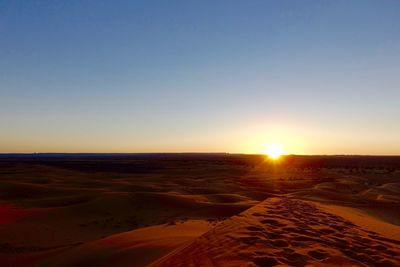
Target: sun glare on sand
(274,151)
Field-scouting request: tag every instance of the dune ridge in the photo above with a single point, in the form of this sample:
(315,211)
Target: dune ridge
(286,231)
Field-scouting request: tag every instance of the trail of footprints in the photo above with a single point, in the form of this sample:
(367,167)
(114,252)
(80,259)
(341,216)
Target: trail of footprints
(287,232)
(296,233)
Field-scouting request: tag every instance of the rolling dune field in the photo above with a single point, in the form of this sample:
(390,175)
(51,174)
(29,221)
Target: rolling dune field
(199,210)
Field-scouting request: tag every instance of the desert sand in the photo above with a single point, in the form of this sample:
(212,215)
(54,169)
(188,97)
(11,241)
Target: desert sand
(199,210)
(284,231)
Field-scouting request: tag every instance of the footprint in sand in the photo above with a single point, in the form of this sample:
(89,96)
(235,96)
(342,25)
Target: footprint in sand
(250,240)
(279,243)
(273,222)
(271,235)
(294,258)
(265,261)
(318,254)
(326,231)
(254,229)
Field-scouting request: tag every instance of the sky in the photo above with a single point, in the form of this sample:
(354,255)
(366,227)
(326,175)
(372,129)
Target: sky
(317,77)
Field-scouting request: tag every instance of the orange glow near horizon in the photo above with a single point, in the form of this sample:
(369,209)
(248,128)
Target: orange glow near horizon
(274,151)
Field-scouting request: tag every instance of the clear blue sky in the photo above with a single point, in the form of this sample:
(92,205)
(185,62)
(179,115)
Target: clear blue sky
(318,77)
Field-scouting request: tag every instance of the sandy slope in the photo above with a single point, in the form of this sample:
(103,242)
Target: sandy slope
(368,219)
(133,248)
(283,231)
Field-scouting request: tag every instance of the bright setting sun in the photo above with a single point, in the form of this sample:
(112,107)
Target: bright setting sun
(274,151)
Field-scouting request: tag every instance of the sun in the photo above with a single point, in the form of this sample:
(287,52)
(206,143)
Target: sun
(273,151)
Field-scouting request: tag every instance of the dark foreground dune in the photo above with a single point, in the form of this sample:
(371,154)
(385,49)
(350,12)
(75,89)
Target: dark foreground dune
(199,210)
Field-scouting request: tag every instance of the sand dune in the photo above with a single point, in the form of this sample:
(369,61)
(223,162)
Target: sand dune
(282,231)
(108,214)
(138,247)
(389,192)
(140,210)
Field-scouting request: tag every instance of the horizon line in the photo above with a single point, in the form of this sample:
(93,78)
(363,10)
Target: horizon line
(198,153)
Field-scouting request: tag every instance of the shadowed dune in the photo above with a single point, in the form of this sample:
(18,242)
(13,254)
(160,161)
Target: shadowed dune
(139,247)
